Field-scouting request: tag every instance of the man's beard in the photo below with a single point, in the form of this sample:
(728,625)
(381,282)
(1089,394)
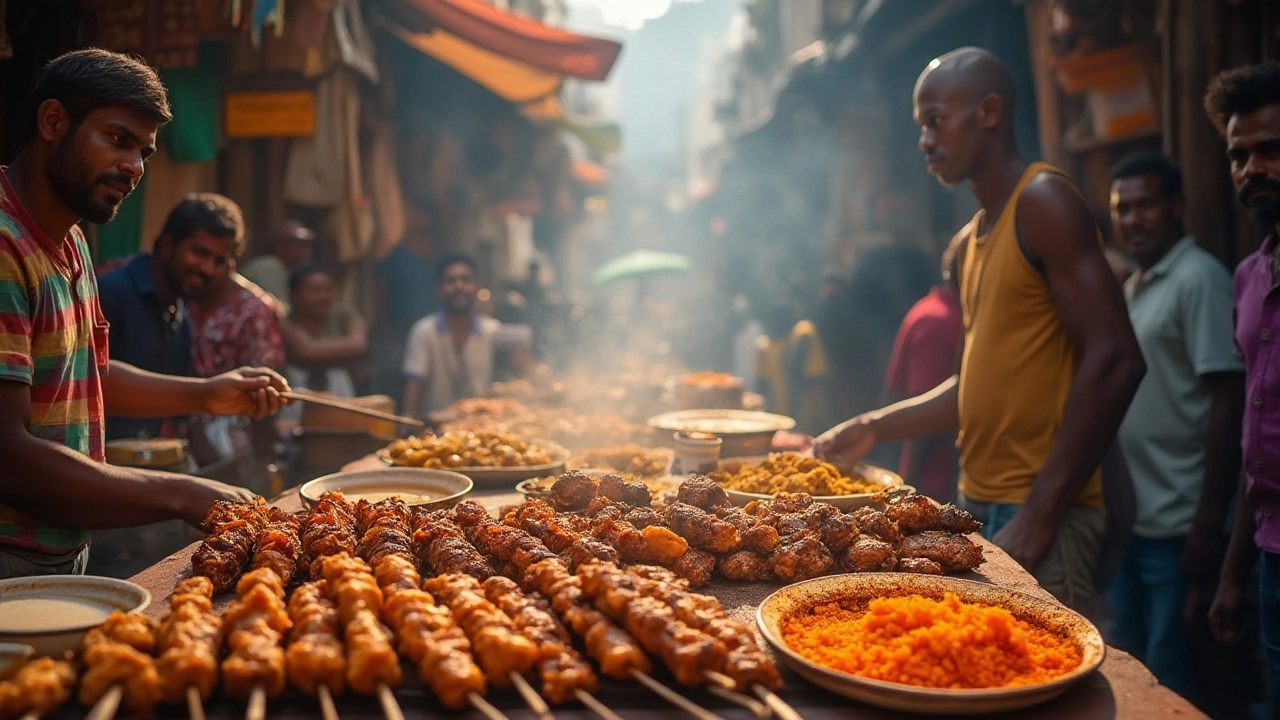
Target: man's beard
(66,176)
(1265,210)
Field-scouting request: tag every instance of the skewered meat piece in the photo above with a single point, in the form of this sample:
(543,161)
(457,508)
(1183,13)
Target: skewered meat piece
(544,523)
(703,530)
(189,641)
(385,530)
(432,640)
(633,493)
(914,513)
(560,667)
(800,556)
(225,553)
(874,522)
(745,566)
(329,529)
(371,657)
(954,520)
(499,648)
(110,663)
(254,624)
(746,663)
(869,554)
(227,511)
(573,490)
(395,573)
(39,687)
(920,566)
(132,629)
(695,567)
(953,552)
(278,546)
(702,492)
(654,544)
(614,651)
(687,652)
(443,547)
(315,655)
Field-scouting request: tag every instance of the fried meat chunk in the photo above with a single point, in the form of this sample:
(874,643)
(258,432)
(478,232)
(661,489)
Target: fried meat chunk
(954,553)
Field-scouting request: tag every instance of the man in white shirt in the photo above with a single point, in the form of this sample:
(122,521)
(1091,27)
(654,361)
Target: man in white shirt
(449,355)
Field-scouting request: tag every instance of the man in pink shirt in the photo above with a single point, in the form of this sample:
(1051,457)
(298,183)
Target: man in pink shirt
(924,355)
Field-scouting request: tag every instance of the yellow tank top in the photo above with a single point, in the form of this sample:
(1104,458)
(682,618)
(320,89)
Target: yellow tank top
(1017,368)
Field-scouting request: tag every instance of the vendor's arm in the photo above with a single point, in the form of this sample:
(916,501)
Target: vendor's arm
(54,484)
(1058,231)
(133,392)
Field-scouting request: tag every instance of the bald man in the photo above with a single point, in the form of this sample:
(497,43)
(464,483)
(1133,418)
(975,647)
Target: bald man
(1048,363)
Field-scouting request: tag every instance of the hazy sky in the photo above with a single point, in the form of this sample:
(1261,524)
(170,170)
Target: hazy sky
(630,14)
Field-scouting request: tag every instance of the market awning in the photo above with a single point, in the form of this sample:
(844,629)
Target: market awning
(515,36)
(512,80)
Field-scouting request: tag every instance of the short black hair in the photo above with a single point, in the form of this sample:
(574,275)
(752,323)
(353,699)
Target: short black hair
(302,272)
(93,78)
(453,259)
(1241,91)
(1151,163)
(213,213)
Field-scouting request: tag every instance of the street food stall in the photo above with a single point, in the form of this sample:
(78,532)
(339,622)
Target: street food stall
(485,571)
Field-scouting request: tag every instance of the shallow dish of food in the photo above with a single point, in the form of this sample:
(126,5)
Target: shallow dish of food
(761,478)
(485,456)
(540,488)
(952,646)
(52,613)
(428,488)
(745,432)
(629,459)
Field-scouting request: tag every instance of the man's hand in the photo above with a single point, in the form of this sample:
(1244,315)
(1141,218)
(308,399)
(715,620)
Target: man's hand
(1225,615)
(846,443)
(1026,538)
(252,392)
(196,495)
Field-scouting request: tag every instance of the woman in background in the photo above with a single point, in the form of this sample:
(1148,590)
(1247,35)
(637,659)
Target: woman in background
(323,341)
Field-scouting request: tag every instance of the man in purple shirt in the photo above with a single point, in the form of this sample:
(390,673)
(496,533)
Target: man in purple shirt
(1245,105)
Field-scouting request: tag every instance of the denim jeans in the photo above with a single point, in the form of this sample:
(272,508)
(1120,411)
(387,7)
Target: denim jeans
(1269,604)
(1146,599)
(1066,568)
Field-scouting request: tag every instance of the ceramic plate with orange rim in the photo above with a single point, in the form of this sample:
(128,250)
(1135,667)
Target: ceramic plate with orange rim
(783,611)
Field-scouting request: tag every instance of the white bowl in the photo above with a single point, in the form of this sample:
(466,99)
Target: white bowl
(431,489)
(52,613)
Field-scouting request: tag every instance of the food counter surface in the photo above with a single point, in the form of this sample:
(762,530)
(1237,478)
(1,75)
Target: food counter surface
(1123,688)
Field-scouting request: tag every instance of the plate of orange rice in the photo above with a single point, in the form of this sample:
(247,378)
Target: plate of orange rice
(929,644)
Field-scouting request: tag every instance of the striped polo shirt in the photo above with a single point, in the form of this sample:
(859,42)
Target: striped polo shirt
(53,337)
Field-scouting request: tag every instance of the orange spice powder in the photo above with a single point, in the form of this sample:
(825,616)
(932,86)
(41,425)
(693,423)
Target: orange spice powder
(930,643)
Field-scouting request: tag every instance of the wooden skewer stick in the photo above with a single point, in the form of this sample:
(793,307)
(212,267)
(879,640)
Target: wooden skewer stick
(596,706)
(328,711)
(725,688)
(757,708)
(674,697)
(106,707)
(531,697)
(489,711)
(195,704)
(780,707)
(257,709)
(390,708)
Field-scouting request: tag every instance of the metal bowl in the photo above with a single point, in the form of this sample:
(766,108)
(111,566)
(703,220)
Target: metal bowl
(430,489)
(745,432)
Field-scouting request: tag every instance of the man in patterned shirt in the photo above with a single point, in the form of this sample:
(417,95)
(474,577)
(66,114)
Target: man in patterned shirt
(91,124)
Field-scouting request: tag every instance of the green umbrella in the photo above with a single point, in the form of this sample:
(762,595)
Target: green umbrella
(640,263)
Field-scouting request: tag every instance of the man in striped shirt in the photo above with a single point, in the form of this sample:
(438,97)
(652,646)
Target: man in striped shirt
(91,124)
